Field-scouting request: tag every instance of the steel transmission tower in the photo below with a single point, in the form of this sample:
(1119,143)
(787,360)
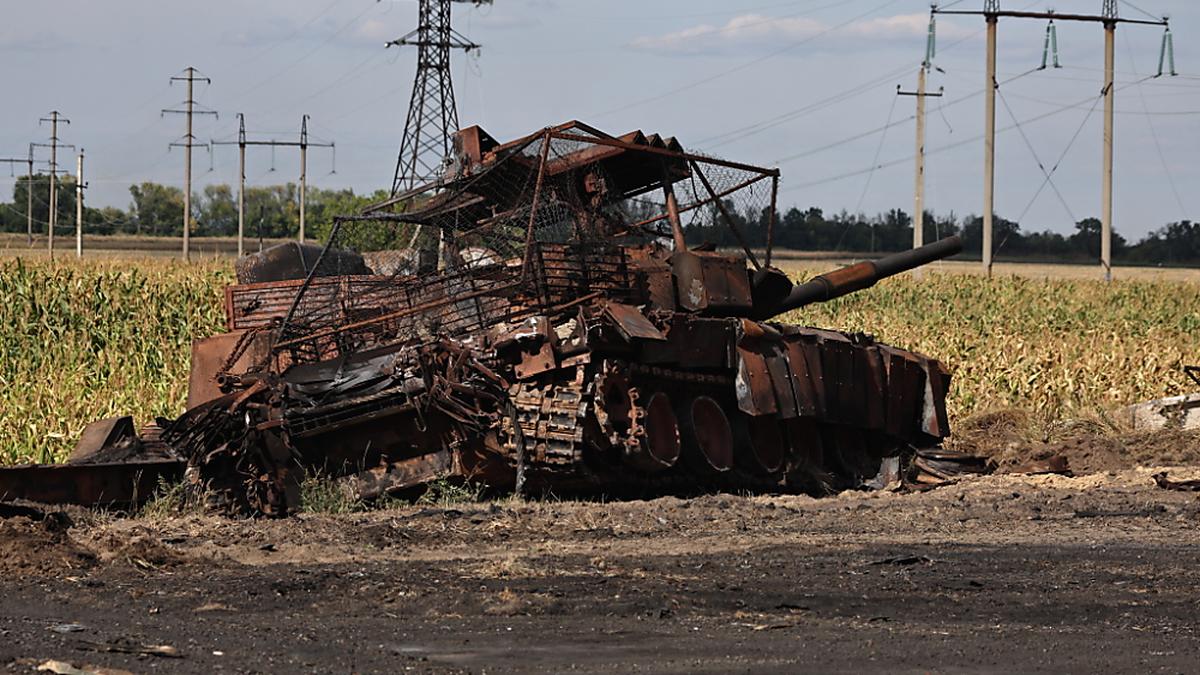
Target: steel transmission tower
(432,115)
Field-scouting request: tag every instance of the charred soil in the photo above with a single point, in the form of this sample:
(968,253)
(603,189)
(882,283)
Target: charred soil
(986,575)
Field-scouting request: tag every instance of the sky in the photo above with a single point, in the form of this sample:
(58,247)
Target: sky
(804,85)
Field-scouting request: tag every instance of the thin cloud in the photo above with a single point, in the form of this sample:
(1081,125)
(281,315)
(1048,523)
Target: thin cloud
(758,31)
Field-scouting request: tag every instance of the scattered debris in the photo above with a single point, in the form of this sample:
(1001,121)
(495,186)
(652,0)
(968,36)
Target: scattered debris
(1173,412)
(130,646)
(904,561)
(936,466)
(65,668)
(1166,483)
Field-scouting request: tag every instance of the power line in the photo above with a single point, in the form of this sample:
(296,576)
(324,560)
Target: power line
(1061,157)
(939,149)
(738,134)
(871,132)
(297,61)
(1154,136)
(275,43)
(737,69)
(758,127)
(432,112)
(1037,160)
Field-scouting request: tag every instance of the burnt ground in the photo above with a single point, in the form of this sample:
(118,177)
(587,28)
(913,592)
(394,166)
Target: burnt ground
(992,574)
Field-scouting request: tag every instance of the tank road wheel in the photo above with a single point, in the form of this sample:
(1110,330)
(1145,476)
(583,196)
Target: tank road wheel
(645,431)
(763,444)
(653,441)
(707,434)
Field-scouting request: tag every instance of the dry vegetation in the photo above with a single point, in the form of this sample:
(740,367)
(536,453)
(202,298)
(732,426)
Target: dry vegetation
(81,341)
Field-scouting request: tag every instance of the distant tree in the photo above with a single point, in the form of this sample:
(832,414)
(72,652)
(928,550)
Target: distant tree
(13,216)
(157,209)
(1086,240)
(217,212)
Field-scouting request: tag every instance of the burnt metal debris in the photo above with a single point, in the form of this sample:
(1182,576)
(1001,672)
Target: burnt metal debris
(533,320)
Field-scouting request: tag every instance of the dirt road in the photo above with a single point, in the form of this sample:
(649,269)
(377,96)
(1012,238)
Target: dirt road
(997,574)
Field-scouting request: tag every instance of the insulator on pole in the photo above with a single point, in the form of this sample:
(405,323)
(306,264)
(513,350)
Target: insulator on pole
(1166,55)
(931,41)
(1050,47)
(1054,43)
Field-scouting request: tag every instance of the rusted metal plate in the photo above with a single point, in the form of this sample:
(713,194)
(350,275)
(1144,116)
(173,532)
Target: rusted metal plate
(211,355)
(102,434)
(816,375)
(755,393)
(631,323)
(872,385)
(659,288)
(933,417)
(906,391)
(726,282)
(803,384)
(116,484)
(536,363)
(406,473)
(837,365)
(694,341)
(689,281)
(781,380)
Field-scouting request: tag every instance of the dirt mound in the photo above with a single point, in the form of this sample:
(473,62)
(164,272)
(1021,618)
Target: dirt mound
(34,547)
(137,550)
(1011,441)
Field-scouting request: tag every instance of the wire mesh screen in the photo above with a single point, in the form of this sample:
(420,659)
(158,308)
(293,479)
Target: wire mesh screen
(527,227)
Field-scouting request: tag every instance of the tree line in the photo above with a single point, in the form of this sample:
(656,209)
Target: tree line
(273,212)
(1176,243)
(157,210)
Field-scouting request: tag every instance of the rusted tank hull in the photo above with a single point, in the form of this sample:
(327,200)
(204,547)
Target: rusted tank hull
(597,398)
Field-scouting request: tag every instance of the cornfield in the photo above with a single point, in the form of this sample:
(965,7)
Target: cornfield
(82,341)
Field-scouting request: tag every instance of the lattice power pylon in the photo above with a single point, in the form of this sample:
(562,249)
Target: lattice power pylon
(432,115)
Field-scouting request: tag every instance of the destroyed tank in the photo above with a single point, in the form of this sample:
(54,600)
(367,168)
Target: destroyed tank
(541,318)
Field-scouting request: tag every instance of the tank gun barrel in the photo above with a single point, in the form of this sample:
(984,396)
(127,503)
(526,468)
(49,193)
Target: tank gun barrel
(865,274)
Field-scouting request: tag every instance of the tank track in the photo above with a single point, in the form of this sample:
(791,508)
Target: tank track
(575,440)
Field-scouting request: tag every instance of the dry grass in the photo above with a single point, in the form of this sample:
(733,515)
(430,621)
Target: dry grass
(83,341)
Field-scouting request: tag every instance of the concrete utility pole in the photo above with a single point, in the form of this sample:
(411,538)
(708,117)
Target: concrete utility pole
(1109,18)
(29,198)
(303,171)
(989,139)
(241,184)
(54,119)
(79,206)
(919,187)
(304,144)
(189,109)
(28,190)
(1106,187)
